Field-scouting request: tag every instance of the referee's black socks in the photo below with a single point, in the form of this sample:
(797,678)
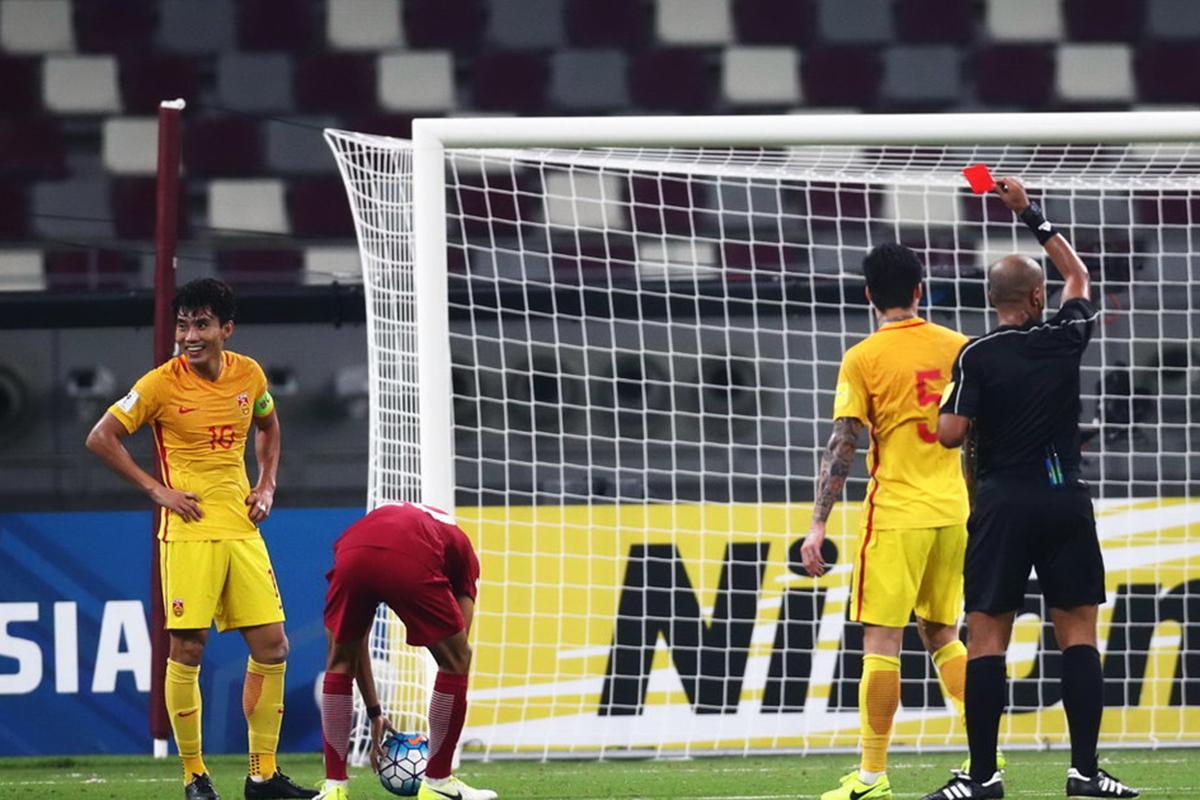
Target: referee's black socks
(987,689)
(1083,700)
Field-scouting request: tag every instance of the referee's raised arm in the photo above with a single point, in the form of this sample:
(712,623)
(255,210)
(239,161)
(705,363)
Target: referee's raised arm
(1017,290)
(1072,269)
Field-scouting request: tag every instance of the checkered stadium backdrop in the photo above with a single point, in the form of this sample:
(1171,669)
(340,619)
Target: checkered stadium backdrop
(80,79)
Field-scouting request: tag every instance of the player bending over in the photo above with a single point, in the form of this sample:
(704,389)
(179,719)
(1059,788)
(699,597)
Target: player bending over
(419,562)
(202,405)
(1019,383)
(913,533)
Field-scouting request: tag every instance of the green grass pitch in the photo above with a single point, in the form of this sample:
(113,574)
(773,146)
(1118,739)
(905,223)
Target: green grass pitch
(1159,774)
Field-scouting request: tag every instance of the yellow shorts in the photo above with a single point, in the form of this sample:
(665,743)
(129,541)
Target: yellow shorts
(227,580)
(899,571)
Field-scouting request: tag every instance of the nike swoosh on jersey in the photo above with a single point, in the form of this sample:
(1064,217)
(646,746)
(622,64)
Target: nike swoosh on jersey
(183,410)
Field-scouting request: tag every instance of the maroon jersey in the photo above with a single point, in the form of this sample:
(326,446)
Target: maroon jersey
(422,532)
(411,557)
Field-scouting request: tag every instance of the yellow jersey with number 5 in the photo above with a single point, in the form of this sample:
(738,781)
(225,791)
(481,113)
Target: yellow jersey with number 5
(893,381)
(200,429)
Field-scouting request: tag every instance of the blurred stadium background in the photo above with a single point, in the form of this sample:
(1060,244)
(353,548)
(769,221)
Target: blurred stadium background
(264,208)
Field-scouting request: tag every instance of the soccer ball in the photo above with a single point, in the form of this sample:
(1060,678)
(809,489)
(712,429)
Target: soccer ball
(403,766)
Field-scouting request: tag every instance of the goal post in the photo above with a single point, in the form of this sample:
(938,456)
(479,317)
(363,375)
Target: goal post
(609,345)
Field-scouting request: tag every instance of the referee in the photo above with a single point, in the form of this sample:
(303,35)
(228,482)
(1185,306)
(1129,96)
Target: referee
(1019,385)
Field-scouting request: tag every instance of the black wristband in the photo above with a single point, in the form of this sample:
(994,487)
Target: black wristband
(1037,222)
(374,712)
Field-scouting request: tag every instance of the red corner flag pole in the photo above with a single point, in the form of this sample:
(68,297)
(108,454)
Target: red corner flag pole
(165,227)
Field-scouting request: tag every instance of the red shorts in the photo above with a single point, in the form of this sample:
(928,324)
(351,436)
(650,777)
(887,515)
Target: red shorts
(364,577)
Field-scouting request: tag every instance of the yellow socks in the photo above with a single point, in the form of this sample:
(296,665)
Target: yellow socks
(878,698)
(262,765)
(184,707)
(951,663)
(262,702)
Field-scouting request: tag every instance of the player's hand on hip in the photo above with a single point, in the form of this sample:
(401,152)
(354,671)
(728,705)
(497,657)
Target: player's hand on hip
(381,726)
(1012,192)
(260,501)
(810,553)
(185,504)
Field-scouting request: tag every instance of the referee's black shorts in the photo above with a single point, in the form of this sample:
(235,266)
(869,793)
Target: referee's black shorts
(1020,523)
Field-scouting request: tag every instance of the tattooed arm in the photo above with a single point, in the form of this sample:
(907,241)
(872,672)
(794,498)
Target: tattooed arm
(835,468)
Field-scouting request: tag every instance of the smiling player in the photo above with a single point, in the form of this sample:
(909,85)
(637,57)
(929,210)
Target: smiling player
(214,562)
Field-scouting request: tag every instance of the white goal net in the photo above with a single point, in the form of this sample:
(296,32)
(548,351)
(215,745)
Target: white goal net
(642,347)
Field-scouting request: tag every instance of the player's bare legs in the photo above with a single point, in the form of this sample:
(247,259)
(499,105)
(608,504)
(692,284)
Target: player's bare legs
(988,634)
(268,644)
(936,635)
(342,658)
(453,655)
(187,646)
(1074,626)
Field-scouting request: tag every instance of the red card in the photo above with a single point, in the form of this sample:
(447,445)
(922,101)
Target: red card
(980,178)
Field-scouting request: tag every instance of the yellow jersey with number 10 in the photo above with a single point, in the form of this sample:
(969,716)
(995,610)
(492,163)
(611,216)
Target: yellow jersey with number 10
(893,381)
(200,431)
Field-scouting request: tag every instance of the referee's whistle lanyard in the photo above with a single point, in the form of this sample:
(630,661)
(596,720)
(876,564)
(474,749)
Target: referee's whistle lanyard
(1053,467)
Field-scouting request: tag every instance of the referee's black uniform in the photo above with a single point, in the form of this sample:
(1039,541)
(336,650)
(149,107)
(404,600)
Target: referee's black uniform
(1021,387)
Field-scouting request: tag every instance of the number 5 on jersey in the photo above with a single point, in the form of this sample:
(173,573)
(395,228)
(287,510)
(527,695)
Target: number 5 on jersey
(925,398)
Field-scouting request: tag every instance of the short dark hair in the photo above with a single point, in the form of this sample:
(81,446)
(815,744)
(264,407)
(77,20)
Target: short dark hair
(206,293)
(893,273)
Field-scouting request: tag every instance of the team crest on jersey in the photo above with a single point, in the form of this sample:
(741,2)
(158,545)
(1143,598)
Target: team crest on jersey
(243,401)
(177,607)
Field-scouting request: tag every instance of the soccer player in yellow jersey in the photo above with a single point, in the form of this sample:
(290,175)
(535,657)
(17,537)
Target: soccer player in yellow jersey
(913,532)
(201,405)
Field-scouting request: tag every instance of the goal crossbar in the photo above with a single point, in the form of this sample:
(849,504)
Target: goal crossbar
(1100,127)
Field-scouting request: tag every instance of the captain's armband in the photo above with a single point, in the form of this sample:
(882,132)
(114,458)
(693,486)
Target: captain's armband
(264,405)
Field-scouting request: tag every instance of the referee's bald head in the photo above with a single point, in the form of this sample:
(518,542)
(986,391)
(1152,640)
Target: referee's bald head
(1012,280)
